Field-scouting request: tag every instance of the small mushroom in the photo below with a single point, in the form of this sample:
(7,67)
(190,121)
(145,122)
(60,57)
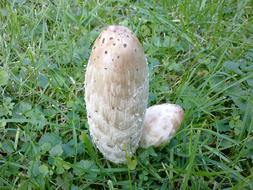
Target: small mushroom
(160,124)
(116,93)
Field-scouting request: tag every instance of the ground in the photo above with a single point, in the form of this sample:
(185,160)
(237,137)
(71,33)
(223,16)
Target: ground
(200,56)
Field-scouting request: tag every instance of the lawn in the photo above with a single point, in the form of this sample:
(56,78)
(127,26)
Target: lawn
(200,56)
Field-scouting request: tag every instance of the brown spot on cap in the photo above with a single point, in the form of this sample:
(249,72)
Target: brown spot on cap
(103,40)
(105,52)
(125,45)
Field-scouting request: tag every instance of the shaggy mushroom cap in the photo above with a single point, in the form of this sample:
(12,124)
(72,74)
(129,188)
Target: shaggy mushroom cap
(116,92)
(160,124)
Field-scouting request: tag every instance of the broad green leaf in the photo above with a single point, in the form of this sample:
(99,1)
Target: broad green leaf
(58,161)
(45,147)
(56,150)
(42,81)
(86,168)
(7,146)
(69,148)
(37,117)
(34,168)
(22,108)
(51,138)
(232,66)
(60,170)
(43,169)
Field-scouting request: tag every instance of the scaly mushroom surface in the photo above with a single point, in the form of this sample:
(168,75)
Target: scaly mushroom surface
(160,124)
(116,92)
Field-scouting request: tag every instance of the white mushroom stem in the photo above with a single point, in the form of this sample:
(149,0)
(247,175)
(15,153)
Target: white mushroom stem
(160,124)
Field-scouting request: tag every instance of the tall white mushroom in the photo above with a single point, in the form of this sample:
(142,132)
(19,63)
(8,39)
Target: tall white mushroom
(116,96)
(116,92)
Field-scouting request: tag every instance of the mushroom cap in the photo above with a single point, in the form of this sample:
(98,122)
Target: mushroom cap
(160,124)
(116,92)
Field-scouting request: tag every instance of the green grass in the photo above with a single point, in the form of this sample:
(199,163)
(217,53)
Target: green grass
(200,56)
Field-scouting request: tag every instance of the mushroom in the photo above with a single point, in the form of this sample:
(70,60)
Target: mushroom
(116,92)
(116,96)
(160,124)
